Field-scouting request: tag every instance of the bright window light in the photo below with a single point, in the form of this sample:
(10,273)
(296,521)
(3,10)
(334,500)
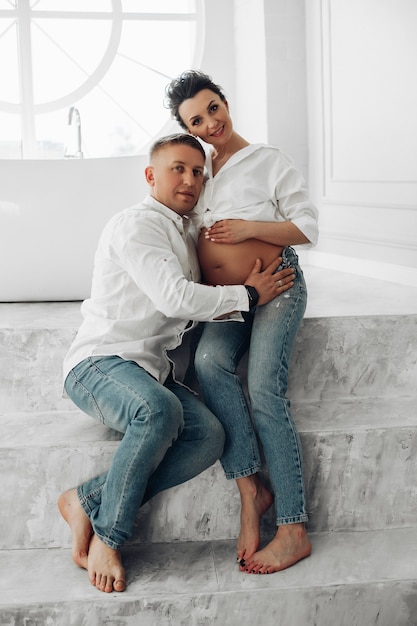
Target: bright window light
(110,59)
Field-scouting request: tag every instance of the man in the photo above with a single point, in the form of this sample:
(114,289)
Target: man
(122,366)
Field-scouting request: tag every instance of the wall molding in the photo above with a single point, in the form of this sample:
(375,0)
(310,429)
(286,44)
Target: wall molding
(364,187)
(331,201)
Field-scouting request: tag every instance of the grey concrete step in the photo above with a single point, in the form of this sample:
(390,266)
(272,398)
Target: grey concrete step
(360,468)
(351,579)
(333,357)
(353,394)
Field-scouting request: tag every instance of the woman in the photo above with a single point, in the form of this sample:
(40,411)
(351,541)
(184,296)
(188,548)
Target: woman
(254,205)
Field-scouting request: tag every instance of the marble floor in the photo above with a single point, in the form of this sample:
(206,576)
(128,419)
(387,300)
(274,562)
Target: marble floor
(330,294)
(164,576)
(360,443)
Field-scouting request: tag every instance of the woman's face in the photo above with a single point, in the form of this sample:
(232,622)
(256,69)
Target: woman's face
(206,116)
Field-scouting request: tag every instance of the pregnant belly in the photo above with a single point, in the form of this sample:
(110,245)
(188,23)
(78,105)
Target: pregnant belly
(230,264)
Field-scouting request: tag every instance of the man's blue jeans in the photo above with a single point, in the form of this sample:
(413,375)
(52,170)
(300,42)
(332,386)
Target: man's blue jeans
(268,332)
(169,437)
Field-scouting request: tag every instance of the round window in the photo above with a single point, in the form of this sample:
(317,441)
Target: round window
(108,59)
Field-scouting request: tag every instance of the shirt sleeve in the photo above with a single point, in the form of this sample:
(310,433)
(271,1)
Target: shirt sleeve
(293,201)
(148,255)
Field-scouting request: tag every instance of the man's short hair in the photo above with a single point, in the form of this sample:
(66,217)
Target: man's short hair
(176,139)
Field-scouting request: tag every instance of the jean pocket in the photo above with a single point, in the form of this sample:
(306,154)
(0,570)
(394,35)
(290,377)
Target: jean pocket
(82,397)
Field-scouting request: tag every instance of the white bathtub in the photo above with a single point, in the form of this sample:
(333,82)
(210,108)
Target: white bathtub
(51,215)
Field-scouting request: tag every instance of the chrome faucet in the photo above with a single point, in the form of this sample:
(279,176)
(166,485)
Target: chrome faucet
(74,114)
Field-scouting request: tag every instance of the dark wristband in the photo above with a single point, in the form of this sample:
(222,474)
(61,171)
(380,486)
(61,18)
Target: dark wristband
(253,295)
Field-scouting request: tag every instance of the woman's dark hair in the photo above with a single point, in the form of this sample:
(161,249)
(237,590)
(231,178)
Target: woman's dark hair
(185,86)
(174,140)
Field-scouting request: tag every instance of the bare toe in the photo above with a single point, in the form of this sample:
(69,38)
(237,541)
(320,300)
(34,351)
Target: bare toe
(119,585)
(105,567)
(255,501)
(290,545)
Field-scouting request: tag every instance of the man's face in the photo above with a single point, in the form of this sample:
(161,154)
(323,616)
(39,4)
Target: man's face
(176,177)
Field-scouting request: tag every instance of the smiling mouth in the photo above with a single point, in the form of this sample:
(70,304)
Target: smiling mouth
(218,132)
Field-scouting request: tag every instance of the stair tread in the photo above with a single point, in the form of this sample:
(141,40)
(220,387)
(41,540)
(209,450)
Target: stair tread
(72,427)
(332,358)
(331,293)
(341,558)
(56,315)
(360,469)
(49,315)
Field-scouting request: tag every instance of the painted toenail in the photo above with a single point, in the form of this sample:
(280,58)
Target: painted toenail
(242,562)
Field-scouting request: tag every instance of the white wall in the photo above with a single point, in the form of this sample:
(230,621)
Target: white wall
(249,110)
(218,58)
(287,78)
(234,55)
(331,82)
(255,49)
(271,104)
(362,96)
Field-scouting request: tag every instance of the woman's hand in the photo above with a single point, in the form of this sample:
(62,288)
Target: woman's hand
(229,231)
(270,283)
(236,231)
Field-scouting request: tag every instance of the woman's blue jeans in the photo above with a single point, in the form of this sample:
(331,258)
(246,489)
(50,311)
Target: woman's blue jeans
(268,333)
(169,437)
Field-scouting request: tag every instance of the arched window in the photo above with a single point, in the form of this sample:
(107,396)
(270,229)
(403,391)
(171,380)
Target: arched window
(110,59)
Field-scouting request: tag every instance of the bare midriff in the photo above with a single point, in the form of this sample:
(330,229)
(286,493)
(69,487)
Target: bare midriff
(231,264)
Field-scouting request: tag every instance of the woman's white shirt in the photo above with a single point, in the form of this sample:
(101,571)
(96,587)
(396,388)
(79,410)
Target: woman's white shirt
(259,183)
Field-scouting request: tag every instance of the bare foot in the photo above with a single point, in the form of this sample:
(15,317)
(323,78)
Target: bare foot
(255,501)
(73,513)
(290,544)
(105,568)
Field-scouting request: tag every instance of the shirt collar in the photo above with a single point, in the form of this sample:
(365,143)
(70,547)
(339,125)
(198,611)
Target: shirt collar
(235,158)
(181,221)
